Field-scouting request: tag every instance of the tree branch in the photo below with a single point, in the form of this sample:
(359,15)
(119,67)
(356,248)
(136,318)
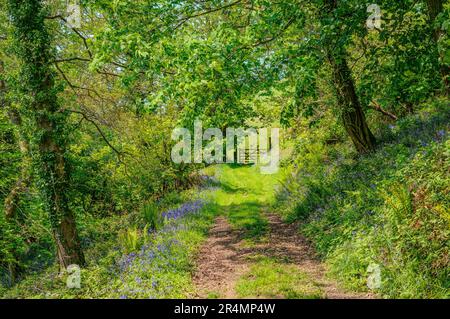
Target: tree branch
(99,130)
(187,18)
(377,107)
(72,59)
(76,87)
(288,24)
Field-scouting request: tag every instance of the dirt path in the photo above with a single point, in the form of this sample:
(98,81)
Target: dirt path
(224,258)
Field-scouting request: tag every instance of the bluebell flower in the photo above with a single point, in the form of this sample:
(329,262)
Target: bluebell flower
(188,208)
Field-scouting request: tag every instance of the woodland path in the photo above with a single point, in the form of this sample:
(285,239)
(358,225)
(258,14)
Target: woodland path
(257,255)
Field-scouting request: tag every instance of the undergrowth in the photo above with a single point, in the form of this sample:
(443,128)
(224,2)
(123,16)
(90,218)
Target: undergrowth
(145,254)
(389,208)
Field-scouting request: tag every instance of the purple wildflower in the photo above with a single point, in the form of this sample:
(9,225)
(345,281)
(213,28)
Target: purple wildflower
(185,209)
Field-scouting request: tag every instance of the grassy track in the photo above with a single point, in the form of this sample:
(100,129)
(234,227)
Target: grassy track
(250,253)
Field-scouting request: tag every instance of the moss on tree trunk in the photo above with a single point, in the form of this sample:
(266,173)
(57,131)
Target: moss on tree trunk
(46,124)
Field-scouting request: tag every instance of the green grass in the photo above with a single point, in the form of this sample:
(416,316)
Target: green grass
(213,295)
(243,195)
(271,278)
(388,208)
(167,275)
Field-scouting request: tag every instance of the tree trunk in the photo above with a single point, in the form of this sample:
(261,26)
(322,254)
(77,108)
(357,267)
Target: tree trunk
(353,116)
(22,183)
(24,180)
(47,125)
(435,7)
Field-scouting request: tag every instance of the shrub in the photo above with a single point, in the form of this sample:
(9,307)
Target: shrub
(129,240)
(151,216)
(388,208)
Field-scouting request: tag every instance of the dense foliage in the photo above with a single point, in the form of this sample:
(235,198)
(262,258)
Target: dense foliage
(87,112)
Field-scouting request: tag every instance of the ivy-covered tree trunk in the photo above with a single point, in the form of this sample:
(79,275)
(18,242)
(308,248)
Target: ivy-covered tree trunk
(24,179)
(46,124)
(435,7)
(352,113)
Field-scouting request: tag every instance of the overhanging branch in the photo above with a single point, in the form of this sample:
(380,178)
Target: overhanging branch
(100,131)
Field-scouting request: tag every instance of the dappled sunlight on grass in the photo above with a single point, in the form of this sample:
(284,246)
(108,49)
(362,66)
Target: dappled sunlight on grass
(243,194)
(272,278)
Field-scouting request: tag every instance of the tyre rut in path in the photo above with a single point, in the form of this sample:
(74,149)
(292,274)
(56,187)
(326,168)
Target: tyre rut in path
(224,258)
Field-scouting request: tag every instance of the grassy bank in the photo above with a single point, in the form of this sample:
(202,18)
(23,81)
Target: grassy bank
(389,208)
(128,259)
